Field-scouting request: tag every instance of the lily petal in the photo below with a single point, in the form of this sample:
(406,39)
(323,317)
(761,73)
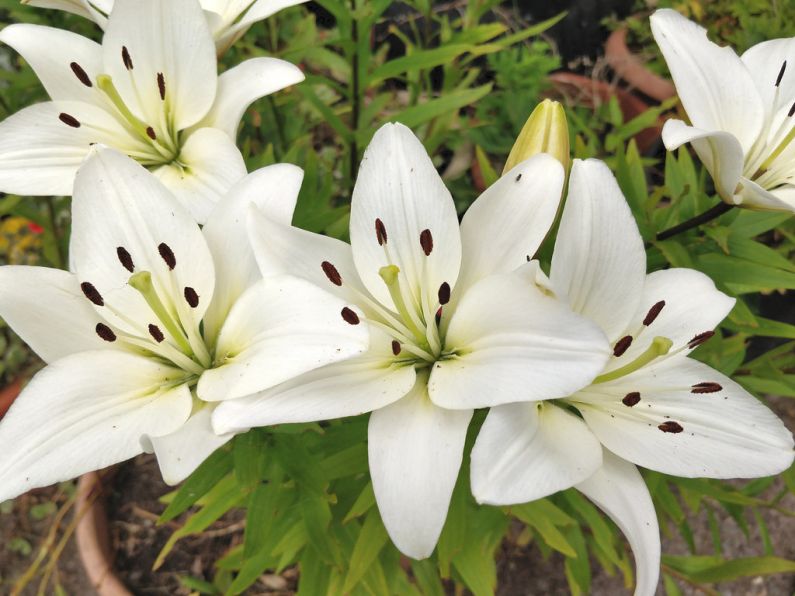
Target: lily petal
(528,451)
(713,84)
(690,420)
(719,151)
(415,451)
(508,222)
(85,412)
(238,87)
(64,61)
(779,199)
(350,388)
(514,344)
(95,10)
(618,489)
(46,308)
(399,186)
(209,165)
(764,62)
(258,11)
(599,263)
(279,328)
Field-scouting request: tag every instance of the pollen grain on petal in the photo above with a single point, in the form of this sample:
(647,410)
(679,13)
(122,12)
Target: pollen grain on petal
(69,120)
(125,259)
(350,316)
(444,293)
(653,313)
(669,426)
(622,345)
(105,332)
(700,339)
(395,347)
(81,74)
(332,273)
(191,297)
(706,387)
(156,333)
(92,293)
(426,242)
(167,255)
(380,232)
(161,85)
(631,399)
(126,59)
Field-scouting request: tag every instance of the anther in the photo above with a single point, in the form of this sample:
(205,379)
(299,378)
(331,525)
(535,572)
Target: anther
(380,232)
(349,316)
(167,255)
(653,313)
(791,110)
(161,85)
(631,399)
(92,294)
(781,73)
(438,317)
(125,259)
(395,347)
(518,177)
(332,273)
(700,339)
(622,345)
(671,427)
(125,57)
(69,120)
(150,132)
(426,242)
(156,334)
(105,332)
(706,387)
(444,293)
(191,297)
(81,74)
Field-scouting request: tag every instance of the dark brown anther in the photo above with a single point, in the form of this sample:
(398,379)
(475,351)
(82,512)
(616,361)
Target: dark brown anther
(92,294)
(105,332)
(631,399)
(125,259)
(700,339)
(444,293)
(81,74)
(706,387)
(518,177)
(161,85)
(380,232)
(150,132)
(191,297)
(426,242)
(395,347)
(69,120)
(125,57)
(791,110)
(167,255)
(671,427)
(622,345)
(781,73)
(156,334)
(332,273)
(350,316)
(438,316)
(653,313)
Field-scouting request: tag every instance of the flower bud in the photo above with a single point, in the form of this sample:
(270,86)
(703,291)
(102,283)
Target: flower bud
(545,131)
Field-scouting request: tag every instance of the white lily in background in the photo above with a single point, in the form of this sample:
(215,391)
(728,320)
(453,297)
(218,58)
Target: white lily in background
(651,406)
(742,111)
(157,318)
(452,328)
(228,19)
(151,90)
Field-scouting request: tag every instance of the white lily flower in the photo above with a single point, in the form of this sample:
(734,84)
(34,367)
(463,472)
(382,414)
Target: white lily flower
(453,327)
(228,19)
(741,110)
(151,90)
(651,406)
(157,318)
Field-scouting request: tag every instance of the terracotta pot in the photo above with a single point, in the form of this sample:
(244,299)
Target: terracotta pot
(93,537)
(631,68)
(8,394)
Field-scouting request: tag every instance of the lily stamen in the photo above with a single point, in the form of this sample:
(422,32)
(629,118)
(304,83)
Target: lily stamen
(390,274)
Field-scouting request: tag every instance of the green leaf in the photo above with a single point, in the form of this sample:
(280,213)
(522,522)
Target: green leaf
(419,60)
(744,276)
(714,569)
(422,113)
(372,539)
(544,517)
(427,578)
(489,175)
(249,451)
(364,502)
(206,476)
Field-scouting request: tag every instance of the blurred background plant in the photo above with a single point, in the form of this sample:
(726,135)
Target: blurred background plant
(464,75)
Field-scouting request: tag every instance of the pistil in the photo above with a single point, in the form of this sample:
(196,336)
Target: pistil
(390,275)
(660,346)
(142,281)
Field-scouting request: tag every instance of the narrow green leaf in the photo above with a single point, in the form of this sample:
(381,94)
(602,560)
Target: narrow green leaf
(206,476)
(372,539)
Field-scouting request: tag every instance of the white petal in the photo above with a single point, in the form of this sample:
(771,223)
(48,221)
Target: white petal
(83,8)
(181,452)
(779,199)
(415,451)
(238,87)
(117,203)
(618,489)
(209,165)
(714,85)
(508,222)
(280,328)
(399,185)
(350,388)
(764,61)
(529,451)
(171,38)
(52,53)
(693,305)
(85,412)
(516,344)
(259,10)
(720,152)
(273,189)
(725,432)
(599,263)
(46,308)
(40,154)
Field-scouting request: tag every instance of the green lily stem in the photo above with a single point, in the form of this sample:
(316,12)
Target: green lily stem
(708,215)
